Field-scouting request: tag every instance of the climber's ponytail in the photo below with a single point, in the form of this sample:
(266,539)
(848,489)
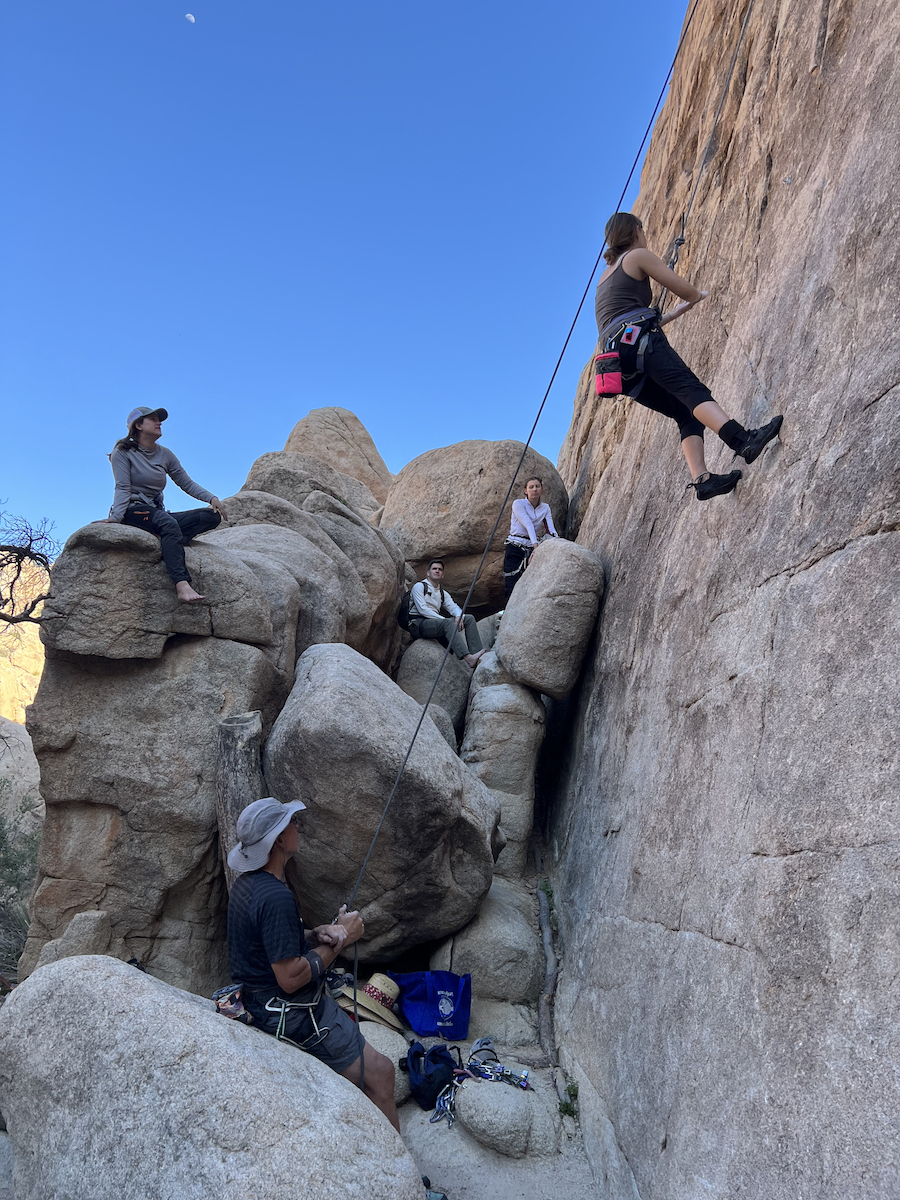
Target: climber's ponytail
(621,232)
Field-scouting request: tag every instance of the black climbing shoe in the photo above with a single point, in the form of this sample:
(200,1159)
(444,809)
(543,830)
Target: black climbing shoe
(756,440)
(708,485)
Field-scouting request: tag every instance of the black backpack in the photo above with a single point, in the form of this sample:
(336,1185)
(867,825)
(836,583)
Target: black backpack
(406,612)
(429,1072)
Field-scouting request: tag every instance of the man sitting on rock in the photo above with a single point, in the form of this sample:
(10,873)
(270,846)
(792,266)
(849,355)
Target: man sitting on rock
(428,598)
(272,957)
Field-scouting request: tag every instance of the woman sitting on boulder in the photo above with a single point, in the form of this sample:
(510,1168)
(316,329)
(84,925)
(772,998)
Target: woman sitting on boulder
(664,383)
(529,518)
(140,468)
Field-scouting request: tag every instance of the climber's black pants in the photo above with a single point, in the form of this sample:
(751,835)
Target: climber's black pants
(173,530)
(514,561)
(670,386)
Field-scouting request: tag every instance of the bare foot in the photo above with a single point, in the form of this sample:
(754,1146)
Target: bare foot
(186,593)
(474,659)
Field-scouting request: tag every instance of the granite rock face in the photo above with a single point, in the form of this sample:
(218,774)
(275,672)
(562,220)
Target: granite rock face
(550,617)
(19,775)
(338,437)
(338,745)
(500,948)
(505,725)
(380,567)
(164,1069)
(294,476)
(725,829)
(445,502)
(128,762)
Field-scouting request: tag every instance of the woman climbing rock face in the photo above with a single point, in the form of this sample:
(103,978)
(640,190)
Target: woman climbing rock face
(652,373)
(529,517)
(140,468)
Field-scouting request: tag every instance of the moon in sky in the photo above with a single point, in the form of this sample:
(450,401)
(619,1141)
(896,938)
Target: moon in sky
(189,17)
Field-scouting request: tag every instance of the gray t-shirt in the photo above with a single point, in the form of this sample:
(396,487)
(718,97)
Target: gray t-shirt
(141,476)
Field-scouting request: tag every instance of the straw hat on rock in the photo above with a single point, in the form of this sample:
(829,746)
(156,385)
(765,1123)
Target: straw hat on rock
(376,1000)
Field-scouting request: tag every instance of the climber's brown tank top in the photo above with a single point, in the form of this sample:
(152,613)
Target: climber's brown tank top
(618,294)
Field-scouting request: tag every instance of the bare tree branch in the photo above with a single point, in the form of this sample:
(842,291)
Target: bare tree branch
(26,555)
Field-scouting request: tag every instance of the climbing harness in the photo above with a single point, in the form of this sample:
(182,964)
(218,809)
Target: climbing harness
(630,329)
(277,1004)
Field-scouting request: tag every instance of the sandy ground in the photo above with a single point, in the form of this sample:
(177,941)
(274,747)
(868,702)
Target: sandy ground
(460,1166)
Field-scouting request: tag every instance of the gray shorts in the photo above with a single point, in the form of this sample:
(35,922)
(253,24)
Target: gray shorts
(344,1043)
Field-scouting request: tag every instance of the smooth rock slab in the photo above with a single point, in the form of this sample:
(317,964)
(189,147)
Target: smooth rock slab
(111,595)
(115,1085)
(550,616)
(338,746)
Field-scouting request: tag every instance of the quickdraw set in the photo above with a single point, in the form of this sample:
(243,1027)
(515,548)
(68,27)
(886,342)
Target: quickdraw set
(483,1064)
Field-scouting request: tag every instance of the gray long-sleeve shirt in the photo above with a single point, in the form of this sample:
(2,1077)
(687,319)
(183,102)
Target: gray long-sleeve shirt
(141,475)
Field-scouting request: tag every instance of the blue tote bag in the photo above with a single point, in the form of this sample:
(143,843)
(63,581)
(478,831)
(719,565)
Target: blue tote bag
(436,1003)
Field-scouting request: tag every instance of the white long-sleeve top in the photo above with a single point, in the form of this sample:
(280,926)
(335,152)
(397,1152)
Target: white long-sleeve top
(426,601)
(526,520)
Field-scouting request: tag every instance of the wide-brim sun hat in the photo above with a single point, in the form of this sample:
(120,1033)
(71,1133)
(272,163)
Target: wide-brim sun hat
(378,997)
(257,827)
(138,414)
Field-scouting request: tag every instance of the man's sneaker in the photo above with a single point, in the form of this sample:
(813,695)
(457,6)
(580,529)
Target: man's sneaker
(708,485)
(758,439)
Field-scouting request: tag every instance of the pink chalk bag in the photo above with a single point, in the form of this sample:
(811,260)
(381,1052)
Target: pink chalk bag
(632,327)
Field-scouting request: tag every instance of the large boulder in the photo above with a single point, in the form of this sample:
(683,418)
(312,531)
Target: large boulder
(550,616)
(445,503)
(128,756)
(338,746)
(115,1085)
(509,1120)
(338,437)
(294,476)
(419,667)
(111,595)
(380,566)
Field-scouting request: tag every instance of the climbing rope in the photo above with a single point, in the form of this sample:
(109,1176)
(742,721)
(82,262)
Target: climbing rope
(679,239)
(525,448)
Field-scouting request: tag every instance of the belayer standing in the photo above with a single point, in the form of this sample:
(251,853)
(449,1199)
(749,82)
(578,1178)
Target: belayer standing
(140,468)
(652,373)
(530,515)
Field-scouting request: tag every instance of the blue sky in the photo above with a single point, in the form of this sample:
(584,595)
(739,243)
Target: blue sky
(389,207)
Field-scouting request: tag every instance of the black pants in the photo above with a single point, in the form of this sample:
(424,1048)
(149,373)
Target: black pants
(514,560)
(173,530)
(670,386)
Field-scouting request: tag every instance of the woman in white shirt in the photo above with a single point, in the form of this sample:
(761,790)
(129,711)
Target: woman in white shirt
(531,522)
